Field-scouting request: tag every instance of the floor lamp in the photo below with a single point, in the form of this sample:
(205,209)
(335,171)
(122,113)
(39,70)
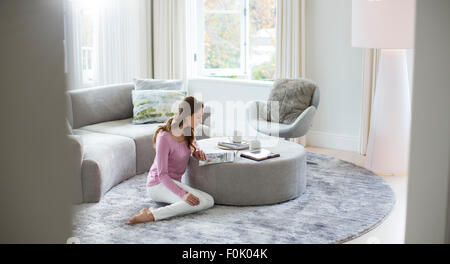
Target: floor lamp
(387,25)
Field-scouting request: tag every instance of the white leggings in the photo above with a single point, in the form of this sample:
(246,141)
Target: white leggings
(177,206)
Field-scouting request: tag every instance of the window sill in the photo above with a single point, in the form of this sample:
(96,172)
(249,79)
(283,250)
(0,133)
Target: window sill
(233,81)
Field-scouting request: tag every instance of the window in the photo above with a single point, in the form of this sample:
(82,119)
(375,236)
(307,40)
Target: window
(106,41)
(87,26)
(237,38)
(83,17)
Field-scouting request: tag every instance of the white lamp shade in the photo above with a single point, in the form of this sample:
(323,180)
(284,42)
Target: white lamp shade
(383,24)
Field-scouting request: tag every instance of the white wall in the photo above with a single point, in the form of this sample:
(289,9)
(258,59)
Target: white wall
(336,66)
(429,172)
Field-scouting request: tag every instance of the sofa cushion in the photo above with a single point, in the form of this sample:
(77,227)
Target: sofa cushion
(99,104)
(107,161)
(155,84)
(155,106)
(141,134)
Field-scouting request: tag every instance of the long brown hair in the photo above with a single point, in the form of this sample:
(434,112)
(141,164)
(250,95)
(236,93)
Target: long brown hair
(187,107)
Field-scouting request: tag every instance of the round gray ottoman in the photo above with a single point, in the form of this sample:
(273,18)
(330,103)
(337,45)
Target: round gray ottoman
(248,182)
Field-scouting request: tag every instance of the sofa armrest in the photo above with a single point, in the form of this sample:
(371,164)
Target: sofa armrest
(302,124)
(76,154)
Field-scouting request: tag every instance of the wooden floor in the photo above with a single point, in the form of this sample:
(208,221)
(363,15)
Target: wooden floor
(391,231)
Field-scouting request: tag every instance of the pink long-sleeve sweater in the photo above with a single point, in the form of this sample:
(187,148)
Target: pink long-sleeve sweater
(170,162)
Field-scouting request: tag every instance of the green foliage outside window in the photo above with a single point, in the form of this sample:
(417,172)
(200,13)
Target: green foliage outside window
(223,36)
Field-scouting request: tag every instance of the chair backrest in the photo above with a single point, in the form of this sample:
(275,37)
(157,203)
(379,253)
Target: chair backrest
(315,100)
(295,95)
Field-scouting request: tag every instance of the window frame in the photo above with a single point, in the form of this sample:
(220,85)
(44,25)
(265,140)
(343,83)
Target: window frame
(199,57)
(94,63)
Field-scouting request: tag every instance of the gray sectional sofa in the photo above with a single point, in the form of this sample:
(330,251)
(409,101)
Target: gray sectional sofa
(110,149)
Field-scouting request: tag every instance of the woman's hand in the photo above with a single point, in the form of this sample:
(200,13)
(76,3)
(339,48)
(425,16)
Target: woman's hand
(200,155)
(191,199)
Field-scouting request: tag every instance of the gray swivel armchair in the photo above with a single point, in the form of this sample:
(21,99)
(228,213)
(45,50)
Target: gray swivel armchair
(298,101)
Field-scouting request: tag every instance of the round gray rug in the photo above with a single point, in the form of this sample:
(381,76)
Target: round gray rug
(342,201)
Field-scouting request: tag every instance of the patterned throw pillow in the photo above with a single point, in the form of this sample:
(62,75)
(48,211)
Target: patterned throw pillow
(155,106)
(156,84)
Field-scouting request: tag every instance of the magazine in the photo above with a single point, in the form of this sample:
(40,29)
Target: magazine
(218,157)
(260,155)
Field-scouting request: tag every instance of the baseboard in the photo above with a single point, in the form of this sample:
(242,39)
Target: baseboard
(332,141)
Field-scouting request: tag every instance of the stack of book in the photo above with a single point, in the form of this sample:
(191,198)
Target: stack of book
(232,146)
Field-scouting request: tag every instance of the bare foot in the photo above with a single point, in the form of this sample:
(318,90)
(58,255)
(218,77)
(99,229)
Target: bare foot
(145,215)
